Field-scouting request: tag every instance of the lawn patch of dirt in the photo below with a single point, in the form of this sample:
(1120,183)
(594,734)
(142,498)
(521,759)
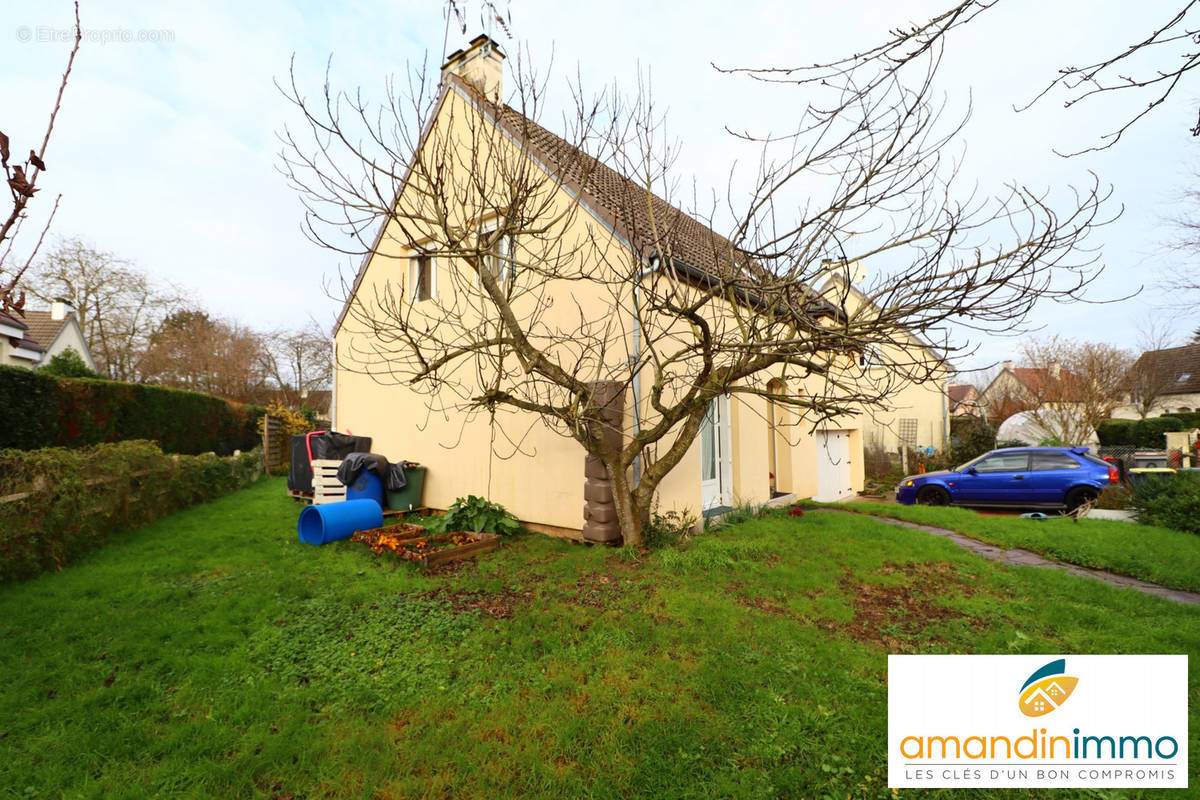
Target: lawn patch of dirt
(896,615)
(500,605)
(757,603)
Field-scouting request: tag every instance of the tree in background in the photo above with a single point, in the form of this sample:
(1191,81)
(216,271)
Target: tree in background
(298,361)
(21,176)
(117,305)
(1076,387)
(194,351)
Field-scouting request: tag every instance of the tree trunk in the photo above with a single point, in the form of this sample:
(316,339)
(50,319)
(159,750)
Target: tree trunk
(630,516)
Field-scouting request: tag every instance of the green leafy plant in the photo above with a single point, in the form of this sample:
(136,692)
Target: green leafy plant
(670,528)
(68,364)
(1172,501)
(476,514)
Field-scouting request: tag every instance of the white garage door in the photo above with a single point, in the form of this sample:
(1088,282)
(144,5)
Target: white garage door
(833,466)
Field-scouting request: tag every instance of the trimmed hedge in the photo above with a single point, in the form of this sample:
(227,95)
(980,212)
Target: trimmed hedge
(44,411)
(60,503)
(1147,433)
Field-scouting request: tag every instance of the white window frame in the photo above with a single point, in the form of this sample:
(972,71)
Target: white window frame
(500,262)
(414,265)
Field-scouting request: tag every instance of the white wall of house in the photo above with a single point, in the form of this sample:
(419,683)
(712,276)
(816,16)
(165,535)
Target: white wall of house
(1164,405)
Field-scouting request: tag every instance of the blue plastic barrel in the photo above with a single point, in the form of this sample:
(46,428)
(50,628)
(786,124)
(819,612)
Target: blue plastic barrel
(367,486)
(333,521)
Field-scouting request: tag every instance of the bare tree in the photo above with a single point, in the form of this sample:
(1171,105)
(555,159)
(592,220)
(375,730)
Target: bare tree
(1074,385)
(118,305)
(192,350)
(299,361)
(1148,69)
(682,315)
(22,177)
(1150,375)
(1002,395)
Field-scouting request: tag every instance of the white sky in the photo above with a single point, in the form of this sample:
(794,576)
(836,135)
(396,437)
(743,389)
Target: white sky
(165,152)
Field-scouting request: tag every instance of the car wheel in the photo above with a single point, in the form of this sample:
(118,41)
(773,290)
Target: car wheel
(933,496)
(1080,495)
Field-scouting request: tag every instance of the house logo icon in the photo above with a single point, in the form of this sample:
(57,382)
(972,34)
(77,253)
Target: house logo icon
(1046,689)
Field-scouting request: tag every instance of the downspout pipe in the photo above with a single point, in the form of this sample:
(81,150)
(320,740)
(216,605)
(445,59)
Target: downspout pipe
(635,359)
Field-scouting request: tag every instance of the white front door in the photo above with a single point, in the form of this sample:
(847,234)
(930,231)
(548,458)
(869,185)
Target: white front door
(833,466)
(716,468)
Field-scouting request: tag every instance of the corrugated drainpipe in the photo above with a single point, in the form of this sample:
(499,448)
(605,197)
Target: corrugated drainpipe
(636,359)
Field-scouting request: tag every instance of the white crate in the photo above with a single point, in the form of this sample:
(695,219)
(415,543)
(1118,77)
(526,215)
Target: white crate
(326,487)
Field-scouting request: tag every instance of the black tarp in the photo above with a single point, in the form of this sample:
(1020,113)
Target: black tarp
(329,445)
(392,474)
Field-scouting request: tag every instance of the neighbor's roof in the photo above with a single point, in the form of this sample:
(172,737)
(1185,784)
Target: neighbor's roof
(43,327)
(959,392)
(1174,363)
(9,319)
(1038,380)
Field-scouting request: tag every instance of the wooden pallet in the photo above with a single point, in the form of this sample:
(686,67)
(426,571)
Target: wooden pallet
(326,487)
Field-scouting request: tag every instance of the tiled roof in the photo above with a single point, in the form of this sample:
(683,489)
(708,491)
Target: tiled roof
(1173,363)
(958,392)
(28,343)
(9,319)
(1063,388)
(648,222)
(43,327)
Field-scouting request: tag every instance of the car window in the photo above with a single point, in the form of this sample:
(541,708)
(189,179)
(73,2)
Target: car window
(1045,461)
(1004,462)
(1095,460)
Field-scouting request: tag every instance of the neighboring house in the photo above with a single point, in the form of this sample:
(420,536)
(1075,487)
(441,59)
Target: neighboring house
(746,451)
(963,400)
(18,348)
(917,414)
(1169,378)
(1017,389)
(42,335)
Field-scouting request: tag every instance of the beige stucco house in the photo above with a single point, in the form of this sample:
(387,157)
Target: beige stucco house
(32,338)
(1170,379)
(748,450)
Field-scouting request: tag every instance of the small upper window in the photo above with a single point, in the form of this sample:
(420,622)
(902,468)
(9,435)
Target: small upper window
(422,278)
(1185,376)
(500,261)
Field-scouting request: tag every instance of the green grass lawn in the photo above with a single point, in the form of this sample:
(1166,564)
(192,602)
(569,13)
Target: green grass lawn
(210,654)
(1163,556)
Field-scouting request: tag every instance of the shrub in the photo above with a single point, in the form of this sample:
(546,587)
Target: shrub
(1170,501)
(1115,498)
(68,364)
(476,514)
(61,503)
(45,411)
(671,528)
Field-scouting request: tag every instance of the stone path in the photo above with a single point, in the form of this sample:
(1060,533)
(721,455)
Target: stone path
(1026,558)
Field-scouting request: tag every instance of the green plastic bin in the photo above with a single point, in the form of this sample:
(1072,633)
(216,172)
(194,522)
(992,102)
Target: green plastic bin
(410,495)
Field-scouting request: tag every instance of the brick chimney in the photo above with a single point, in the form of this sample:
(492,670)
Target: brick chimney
(1055,370)
(481,64)
(1008,365)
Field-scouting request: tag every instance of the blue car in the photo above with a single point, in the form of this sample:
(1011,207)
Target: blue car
(1025,477)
